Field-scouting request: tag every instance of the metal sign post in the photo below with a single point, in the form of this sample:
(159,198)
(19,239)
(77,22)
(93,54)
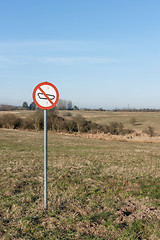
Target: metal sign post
(45,96)
(45,160)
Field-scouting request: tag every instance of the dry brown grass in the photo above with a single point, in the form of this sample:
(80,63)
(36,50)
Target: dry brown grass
(143,119)
(98,189)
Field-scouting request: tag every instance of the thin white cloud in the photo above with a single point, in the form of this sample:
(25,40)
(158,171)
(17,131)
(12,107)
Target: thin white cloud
(4,59)
(26,60)
(41,43)
(12,60)
(68,60)
(56,45)
(55,51)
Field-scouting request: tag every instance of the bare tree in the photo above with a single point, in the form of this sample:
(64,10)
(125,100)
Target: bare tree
(69,105)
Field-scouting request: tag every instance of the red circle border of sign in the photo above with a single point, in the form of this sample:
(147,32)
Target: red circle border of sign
(34,97)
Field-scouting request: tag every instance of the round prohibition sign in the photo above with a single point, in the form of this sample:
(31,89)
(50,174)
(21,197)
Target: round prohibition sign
(45,95)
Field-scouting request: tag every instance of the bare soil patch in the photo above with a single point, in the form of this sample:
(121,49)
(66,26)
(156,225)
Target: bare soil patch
(133,209)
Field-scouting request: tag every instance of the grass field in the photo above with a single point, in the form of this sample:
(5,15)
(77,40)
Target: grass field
(142,119)
(97,189)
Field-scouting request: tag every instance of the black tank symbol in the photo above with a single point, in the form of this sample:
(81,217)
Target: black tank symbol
(41,96)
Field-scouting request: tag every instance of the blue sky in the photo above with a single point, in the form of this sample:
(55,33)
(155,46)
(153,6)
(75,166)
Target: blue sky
(98,53)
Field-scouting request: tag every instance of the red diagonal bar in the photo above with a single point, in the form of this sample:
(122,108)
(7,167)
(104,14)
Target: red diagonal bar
(46,96)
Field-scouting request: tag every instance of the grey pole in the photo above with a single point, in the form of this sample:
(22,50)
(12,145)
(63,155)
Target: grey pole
(45,160)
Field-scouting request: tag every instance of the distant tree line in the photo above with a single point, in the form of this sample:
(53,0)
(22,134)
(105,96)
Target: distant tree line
(32,106)
(136,110)
(25,106)
(62,105)
(67,105)
(5,107)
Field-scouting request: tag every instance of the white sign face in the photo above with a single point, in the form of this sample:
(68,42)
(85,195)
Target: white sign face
(45,95)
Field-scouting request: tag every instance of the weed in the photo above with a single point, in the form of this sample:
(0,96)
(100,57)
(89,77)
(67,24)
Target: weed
(150,131)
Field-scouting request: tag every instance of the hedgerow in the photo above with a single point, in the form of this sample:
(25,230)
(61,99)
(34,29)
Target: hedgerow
(60,124)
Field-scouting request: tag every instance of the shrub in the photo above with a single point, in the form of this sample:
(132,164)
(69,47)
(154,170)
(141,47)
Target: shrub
(150,131)
(52,113)
(106,129)
(95,128)
(115,128)
(56,123)
(28,123)
(10,121)
(38,119)
(82,124)
(72,126)
(59,124)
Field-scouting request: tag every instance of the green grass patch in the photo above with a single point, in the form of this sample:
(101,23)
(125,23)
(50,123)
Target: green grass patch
(148,187)
(96,188)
